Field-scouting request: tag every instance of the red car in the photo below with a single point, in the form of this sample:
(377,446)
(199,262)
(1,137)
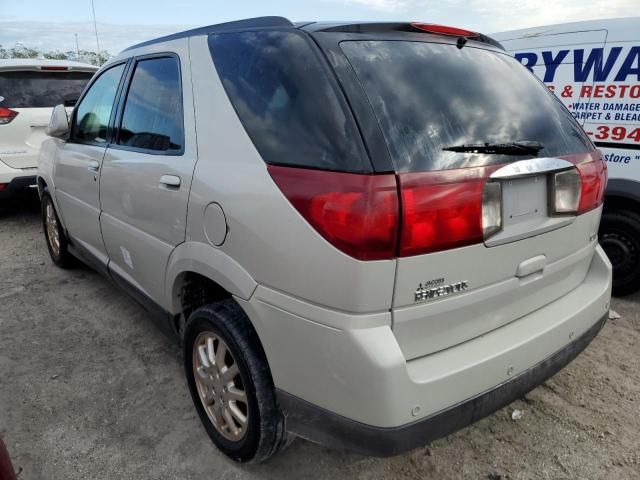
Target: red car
(6,469)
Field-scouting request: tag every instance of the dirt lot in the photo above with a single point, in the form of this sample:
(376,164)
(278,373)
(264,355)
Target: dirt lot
(89,389)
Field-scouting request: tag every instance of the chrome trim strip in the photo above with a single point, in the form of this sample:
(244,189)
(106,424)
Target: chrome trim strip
(533,166)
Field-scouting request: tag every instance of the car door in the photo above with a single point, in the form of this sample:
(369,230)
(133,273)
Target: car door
(78,162)
(147,171)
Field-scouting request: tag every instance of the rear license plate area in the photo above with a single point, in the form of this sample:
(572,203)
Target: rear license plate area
(524,200)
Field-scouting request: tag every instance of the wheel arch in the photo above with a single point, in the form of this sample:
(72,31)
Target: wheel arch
(209,264)
(622,194)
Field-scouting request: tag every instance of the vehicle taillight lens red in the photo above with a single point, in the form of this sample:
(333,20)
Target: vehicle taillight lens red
(362,216)
(358,214)
(441,210)
(3,186)
(55,68)
(7,115)
(593,178)
(444,30)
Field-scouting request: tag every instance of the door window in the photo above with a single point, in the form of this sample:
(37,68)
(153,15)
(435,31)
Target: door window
(152,118)
(93,112)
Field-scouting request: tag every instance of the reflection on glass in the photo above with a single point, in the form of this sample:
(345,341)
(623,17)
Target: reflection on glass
(429,96)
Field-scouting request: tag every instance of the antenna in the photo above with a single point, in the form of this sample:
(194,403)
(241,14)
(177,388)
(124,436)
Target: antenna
(95,26)
(77,47)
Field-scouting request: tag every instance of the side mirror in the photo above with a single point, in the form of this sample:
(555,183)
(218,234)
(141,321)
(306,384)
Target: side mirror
(59,123)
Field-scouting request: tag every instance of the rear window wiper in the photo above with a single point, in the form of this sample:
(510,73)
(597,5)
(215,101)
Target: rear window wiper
(508,148)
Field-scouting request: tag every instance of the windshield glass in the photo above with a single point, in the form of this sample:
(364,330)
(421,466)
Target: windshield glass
(430,96)
(41,89)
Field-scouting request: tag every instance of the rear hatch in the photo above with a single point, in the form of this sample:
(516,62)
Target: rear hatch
(498,186)
(27,98)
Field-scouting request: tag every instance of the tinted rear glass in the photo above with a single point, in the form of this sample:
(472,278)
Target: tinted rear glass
(152,118)
(286,101)
(41,89)
(429,96)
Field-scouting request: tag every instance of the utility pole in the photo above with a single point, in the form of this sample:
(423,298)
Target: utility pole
(95,26)
(77,47)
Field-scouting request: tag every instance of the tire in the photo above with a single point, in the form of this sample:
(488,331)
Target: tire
(620,239)
(264,431)
(53,230)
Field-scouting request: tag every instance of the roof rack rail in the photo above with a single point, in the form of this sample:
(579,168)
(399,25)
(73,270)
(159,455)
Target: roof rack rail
(249,23)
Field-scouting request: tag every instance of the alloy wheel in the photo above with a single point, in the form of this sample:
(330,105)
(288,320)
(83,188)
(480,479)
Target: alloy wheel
(220,386)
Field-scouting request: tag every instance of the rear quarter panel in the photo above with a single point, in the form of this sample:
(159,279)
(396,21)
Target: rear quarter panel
(267,237)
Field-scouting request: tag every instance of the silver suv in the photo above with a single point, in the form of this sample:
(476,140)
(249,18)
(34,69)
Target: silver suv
(367,235)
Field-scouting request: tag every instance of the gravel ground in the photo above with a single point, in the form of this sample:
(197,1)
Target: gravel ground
(89,389)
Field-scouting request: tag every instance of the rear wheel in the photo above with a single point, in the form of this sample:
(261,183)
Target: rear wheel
(620,239)
(230,383)
(54,234)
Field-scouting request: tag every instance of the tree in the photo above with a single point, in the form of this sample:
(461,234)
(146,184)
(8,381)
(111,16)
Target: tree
(56,55)
(21,51)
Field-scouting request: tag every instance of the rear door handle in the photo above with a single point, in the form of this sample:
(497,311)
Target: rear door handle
(531,266)
(93,166)
(170,181)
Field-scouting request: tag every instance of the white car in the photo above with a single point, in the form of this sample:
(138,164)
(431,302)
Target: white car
(594,68)
(29,89)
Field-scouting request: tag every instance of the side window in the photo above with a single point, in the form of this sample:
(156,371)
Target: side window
(152,118)
(93,112)
(286,101)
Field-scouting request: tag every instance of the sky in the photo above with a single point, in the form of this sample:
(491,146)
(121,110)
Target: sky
(52,25)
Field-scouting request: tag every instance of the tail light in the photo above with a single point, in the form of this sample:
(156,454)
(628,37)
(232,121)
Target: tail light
(7,115)
(444,30)
(441,210)
(491,209)
(358,214)
(593,177)
(3,186)
(565,192)
(379,217)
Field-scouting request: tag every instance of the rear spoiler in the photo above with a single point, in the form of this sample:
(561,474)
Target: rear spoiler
(412,27)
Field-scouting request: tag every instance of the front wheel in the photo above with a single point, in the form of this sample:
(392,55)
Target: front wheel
(230,383)
(620,239)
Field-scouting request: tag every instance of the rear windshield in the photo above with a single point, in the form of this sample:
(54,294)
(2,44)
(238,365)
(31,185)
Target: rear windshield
(41,89)
(286,101)
(429,96)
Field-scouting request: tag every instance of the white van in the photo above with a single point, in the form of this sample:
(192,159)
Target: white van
(594,68)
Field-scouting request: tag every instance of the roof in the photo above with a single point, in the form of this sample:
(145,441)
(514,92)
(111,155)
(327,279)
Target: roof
(618,29)
(258,22)
(281,22)
(38,63)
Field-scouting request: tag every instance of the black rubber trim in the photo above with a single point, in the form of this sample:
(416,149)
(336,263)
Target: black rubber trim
(18,185)
(621,146)
(319,425)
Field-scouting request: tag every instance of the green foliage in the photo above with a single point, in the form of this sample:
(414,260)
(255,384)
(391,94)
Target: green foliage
(86,56)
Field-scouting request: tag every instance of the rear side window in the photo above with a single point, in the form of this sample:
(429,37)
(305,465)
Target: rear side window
(152,118)
(286,100)
(41,89)
(430,96)
(94,111)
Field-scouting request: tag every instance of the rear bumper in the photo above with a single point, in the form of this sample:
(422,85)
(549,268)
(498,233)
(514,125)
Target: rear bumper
(325,427)
(18,185)
(343,379)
